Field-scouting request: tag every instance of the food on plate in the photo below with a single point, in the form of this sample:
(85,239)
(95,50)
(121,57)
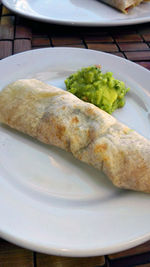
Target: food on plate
(102,90)
(59,118)
(124,5)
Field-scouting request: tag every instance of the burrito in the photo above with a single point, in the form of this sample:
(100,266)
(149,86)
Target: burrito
(123,5)
(57,117)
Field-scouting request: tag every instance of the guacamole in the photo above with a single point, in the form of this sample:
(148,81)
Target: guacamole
(102,90)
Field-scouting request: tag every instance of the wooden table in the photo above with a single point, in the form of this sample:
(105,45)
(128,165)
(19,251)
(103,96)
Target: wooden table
(18,34)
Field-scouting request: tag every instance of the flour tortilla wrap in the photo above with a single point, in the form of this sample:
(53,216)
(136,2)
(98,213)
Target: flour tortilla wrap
(59,118)
(123,5)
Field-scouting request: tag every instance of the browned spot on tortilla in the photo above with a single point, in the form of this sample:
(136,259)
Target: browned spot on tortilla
(60,130)
(91,133)
(90,111)
(75,120)
(141,169)
(46,117)
(67,145)
(135,179)
(105,159)
(80,157)
(50,130)
(125,130)
(100,148)
(63,108)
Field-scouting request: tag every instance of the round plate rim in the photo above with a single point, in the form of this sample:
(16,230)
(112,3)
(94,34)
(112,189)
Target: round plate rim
(78,23)
(66,252)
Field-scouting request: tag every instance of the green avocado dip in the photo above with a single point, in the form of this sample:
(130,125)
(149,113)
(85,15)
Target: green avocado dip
(102,90)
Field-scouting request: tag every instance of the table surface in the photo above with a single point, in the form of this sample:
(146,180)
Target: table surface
(18,34)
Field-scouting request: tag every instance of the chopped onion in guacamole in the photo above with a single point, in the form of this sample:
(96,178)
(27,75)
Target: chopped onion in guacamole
(102,90)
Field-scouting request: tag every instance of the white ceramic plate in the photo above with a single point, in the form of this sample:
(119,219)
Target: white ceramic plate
(77,12)
(51,202)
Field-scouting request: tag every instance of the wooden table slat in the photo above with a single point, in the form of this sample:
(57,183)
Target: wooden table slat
(21,45)
(146,37)
(6,32)
(63,40)
(23,32)
(127,38)
(143,265)
(134,251)
(5,49)
(141,55)
(6,11)
(7,20)
(41,42)
(133,47)
(14,256)
(103,47)
(98,39)
(55,261)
